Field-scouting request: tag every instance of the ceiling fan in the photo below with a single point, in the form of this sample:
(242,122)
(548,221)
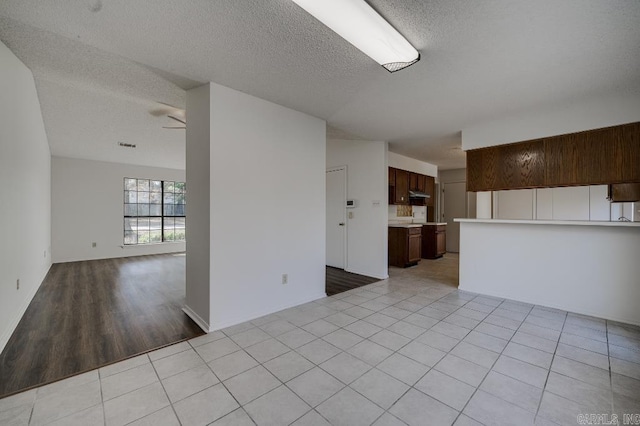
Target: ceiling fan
(173,112)
(183,122)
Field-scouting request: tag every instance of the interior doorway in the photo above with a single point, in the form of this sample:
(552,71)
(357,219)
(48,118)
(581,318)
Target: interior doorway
(336,236)
(454,200)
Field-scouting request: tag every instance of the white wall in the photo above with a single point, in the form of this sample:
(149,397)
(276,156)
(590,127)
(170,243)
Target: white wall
(453,175)
(367,183)
(591,269)
(87,206)
(405,163)
(198,266)
(25,197)
(601,111)
(267,207)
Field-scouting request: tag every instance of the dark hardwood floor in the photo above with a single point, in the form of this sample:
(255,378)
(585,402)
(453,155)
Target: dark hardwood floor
(339,280)
(93,313)
(89,314)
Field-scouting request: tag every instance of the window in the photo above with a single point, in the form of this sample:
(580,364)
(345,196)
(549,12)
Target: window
(154,211)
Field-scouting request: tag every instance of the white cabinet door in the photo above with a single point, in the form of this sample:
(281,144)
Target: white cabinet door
(571,203)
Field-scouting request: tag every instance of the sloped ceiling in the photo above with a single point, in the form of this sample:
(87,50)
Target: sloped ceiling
(480,60)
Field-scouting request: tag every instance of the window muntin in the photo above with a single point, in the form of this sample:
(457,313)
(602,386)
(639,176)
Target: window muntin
(154,211)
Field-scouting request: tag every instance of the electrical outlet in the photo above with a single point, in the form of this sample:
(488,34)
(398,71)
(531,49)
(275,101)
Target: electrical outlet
(18,284)
(94,244)
(350,215)
(285,278)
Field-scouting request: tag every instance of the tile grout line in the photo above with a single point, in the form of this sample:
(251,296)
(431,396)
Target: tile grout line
(290,350)
(460,412)
(384,411)
(364,339)
(610,370)
(429,368)
(375,367)
(163,389)
(490,369)
(421,377)
(549,370)
(530,312)
(33,407)
(240,406)
(33,404)
(104,415)
(295,350)
(398,301)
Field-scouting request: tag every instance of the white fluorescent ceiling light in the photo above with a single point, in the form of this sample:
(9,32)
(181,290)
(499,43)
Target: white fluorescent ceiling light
(360,25)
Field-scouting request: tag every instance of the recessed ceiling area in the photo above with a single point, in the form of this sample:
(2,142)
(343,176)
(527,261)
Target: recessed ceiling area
(480,61)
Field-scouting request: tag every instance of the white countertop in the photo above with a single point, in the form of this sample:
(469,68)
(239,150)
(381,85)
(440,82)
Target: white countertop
(551,222)
(413,225)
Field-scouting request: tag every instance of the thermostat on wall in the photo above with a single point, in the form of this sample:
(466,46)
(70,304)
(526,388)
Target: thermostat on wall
(351,204)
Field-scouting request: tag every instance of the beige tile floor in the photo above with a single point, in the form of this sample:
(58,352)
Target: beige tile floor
(408,350)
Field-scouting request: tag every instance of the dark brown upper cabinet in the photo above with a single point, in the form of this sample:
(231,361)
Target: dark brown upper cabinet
(422,183)
(624,192)
(417,182)
(402,187)
(402,181)
(630,162)
(413,181)
(585,158)
(518,165)
(430,188)
(594,157)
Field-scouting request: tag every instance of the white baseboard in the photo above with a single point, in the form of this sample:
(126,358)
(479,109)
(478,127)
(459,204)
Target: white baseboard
(262,313)
(6,335)
(197,319)
(576,309)
(367,274)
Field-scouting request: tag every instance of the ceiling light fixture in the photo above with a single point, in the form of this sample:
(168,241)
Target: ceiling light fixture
(360,25)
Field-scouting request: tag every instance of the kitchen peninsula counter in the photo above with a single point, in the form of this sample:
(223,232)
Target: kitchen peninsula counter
(590,268)
(551,222)
(414,225)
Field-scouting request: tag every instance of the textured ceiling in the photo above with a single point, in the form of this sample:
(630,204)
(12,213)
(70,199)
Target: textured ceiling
(480,60)
(92,99)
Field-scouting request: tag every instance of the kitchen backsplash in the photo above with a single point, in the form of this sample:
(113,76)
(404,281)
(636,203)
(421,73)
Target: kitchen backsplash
(404,211)
(407,213)
(420,213)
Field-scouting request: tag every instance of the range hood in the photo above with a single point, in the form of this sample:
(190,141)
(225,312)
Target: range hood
(418,194)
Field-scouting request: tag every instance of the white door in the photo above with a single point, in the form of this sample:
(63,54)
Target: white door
(336,216)
(455,206)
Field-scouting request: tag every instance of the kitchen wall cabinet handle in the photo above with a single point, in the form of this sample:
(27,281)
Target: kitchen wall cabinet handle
(341,224)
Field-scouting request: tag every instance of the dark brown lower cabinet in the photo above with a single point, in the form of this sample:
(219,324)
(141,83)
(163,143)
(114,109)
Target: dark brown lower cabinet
(405,246)
(434,241)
